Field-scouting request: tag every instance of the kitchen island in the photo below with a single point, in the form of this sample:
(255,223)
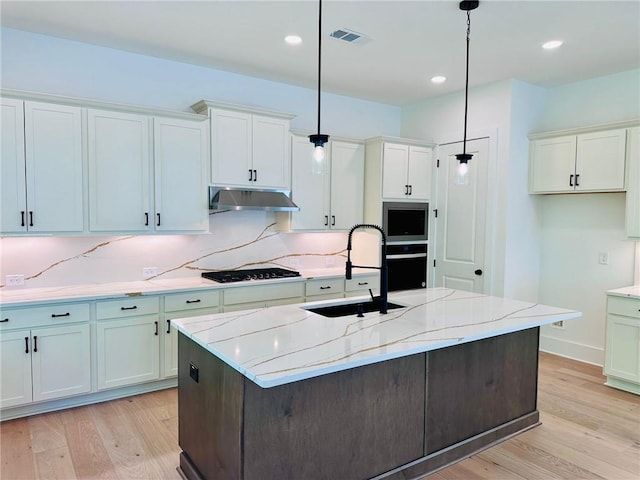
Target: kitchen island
(285,393)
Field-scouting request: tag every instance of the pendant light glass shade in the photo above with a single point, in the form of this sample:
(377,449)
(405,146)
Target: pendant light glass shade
(319,161)
(462,173)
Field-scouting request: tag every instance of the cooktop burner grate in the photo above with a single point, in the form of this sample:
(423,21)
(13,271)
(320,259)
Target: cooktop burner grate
(229,276)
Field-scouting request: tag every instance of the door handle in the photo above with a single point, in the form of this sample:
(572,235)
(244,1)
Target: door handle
(571,180)
(577,179)
(35,343)
(333,220)
(255,175)
(326,220)
(26,344)
(168,326)
(30,218)
(410,189)
(156,324)
(158,224)
(146,219)
(250,175)
(478,272)
(22,215)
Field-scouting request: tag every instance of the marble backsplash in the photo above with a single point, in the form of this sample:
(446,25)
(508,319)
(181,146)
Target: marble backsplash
(237,239)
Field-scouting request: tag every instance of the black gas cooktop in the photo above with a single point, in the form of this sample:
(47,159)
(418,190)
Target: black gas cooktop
(229,276)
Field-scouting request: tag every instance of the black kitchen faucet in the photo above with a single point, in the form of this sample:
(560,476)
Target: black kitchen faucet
(384,288)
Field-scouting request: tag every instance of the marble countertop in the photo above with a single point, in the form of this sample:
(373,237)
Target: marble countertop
(284,344)
(632,291)
(22,297)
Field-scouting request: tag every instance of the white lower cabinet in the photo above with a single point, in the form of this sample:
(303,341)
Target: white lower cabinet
(261,296)
(324,289)
(360,285)
(128,342)
(45,361)
(622,348)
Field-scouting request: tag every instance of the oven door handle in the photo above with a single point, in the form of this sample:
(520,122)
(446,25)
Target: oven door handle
(406,255)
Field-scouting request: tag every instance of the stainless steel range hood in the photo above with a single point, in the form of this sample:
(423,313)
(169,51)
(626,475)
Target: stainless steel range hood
(225,198)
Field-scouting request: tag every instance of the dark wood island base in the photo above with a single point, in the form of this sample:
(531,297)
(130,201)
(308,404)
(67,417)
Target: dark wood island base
(396,419)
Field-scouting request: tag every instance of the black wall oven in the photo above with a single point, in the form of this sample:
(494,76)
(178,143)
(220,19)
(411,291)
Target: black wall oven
(406,225)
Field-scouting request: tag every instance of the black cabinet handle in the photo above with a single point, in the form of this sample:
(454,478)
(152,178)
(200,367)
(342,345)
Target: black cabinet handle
(194,301)
(129,308)
(158,224)
(156,323)
(22,216)
(250,175)
(26,344)
(571,180)
(35,344)
(4,320)
(30,218)
(478,272)
(168,326)
(410,189)
(325,288)
(333,220)
(56,315)
(363,283)
(255,175)
(406,189)
(146,219)
(577,179)
(326,220)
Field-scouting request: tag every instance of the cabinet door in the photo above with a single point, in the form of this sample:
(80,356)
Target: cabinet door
(128,351)
(61,361)
(15,368)
(170,339)
(230,147)
(600,161)
(553,163)
(347,185)
(53,149)
(632,213)
(180,154)
(394,171)
(119,172)
(271,152)
(13,208)
(623,348)
(419,172)
(309,191)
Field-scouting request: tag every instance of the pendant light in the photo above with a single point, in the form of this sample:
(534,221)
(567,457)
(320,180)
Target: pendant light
(462,173)
(318,139)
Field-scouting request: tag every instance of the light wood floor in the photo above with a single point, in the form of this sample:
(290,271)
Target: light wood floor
(588,431)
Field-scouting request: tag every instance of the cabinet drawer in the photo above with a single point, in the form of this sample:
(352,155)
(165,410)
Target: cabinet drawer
(191,300)
(43,316)
(127,308)
(321,286)
(629,307)
(263,292)
(362,282)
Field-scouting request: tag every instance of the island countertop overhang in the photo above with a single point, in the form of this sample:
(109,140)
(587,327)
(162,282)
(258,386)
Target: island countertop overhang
(279,345)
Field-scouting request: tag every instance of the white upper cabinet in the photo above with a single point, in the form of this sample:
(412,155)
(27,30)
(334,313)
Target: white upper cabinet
(42,167)
(587,162)
(327,202)
(249,147)
(632,213)
(406,171)
(119,172)
(147,176)
(180,167)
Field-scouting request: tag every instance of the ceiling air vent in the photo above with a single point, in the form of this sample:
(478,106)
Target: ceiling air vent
(349,36)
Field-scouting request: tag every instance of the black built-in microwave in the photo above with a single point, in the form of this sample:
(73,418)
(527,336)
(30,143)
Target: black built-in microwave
(405,221)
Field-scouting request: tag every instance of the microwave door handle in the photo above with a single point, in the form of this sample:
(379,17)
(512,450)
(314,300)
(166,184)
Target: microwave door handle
(406,255)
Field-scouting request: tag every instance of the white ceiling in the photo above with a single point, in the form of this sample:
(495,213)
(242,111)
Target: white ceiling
(411,41)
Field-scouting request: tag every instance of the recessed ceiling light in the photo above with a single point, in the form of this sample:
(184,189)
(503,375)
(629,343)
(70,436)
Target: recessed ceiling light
(552,44)
(293,39)
(438,79)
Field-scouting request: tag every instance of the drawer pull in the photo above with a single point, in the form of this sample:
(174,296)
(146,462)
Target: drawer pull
(325,288)
(168,326)
(35,343)
(4,320)
(156,324)
(129,308)
(56,315)
(194,301)
(26,344)
(363,283)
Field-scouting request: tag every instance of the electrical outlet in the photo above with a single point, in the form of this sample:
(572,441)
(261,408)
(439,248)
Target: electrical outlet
(148,272)
(15,280)
(603,258)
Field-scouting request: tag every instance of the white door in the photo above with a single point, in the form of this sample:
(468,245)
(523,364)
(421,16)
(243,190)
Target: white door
(61,361)
(461,222)
(419,172)
(601,160)
(13,208)
(347,185)
(270,152)
(553,164)
(180,156)
(395,160)
(309,191)
(230,147)
(15,368)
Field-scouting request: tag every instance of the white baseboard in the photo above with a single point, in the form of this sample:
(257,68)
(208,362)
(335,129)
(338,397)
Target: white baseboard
(572,350)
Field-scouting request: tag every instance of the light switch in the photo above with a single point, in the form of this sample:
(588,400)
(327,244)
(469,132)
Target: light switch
(603,258)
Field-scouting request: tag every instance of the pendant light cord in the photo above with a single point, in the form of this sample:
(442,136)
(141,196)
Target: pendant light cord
(466,87)
(319,57)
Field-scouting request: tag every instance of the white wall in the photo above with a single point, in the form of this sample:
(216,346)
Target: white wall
(44,64)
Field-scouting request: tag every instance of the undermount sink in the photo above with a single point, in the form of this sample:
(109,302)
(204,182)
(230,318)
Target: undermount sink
(353,308)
